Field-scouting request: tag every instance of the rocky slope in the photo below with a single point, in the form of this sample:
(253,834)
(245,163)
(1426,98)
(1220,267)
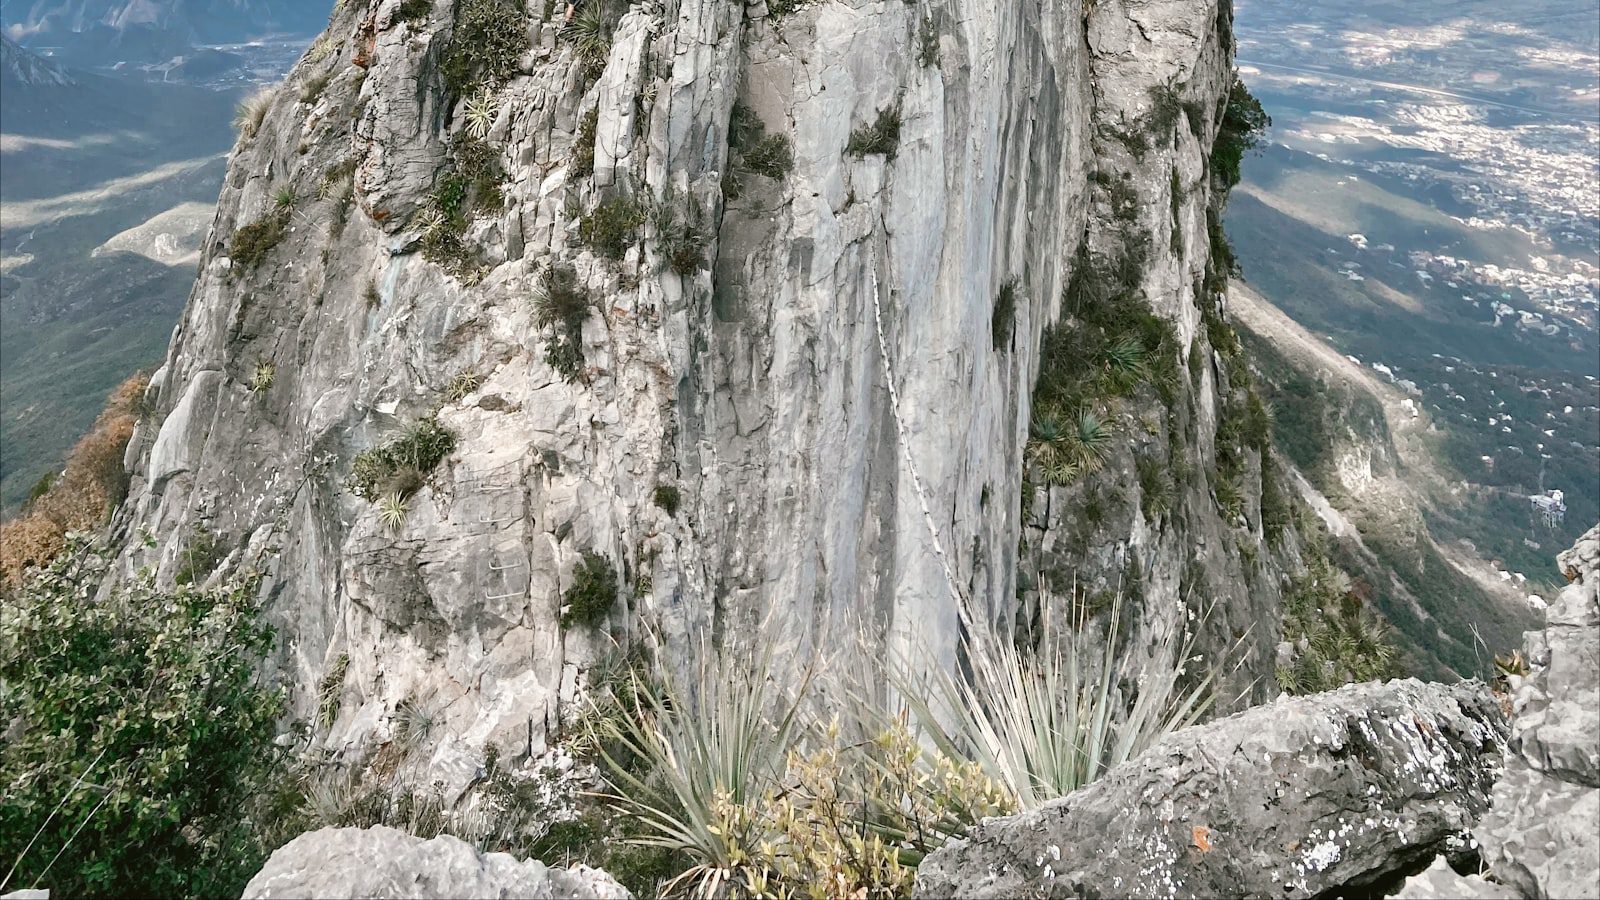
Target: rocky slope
(786,381)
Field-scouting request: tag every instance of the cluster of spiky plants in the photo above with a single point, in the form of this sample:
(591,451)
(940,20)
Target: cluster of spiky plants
(1065,449)
(1334,636)
(728,767)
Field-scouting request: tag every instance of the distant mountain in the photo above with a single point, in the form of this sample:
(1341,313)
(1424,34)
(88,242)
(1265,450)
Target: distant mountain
(107,31)
(20,69)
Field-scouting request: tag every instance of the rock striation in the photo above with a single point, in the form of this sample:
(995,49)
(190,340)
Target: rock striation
(1342,792)
(1542,836)
(381,862)
(789,391)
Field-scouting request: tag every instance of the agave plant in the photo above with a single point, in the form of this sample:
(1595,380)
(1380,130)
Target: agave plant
(480,112)
(1046,721)
(714,745)
(590,32)
(392,511)
(1124,362)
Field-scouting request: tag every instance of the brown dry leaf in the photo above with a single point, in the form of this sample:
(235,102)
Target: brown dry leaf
(1202,838)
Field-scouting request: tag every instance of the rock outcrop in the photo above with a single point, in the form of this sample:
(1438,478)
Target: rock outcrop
(785,387)
(1345,791)
(381,862)
(1542,837)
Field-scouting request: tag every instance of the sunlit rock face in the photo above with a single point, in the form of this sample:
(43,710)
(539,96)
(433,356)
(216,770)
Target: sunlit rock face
(727,438)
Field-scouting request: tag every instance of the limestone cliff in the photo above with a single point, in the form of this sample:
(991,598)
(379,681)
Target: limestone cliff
(746,299)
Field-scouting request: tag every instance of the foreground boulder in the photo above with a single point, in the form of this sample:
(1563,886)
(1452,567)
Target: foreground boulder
(1542,837)
(382,862)
(1343,791)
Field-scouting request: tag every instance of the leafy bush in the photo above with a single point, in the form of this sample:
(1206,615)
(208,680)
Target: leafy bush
(401,465)
(582,164)
(1335,638)
(562,306)
(1004,316)
(881,137)
(251,243)
(201,556)
(928,44)
(490,36)
(138,744)
(612,227)
(83,495)
(667,497)
(413,10)
(771,157)
(1165,108)
(1244,122)
(593,592)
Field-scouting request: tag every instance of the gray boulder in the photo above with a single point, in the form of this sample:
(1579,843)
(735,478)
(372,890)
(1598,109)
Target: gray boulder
(382,862)
(1343,791)
(1542,837)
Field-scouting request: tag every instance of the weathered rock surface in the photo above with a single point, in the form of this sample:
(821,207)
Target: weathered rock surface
(381,862)
(1346,790)
(757,385)
(1542,836)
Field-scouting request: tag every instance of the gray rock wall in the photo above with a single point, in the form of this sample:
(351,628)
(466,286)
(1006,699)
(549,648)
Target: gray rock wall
(1542,837)
(1335,794)
(758,385)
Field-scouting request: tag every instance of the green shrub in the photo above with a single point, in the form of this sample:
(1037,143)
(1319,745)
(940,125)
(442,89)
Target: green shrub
(1004,317)
(1244,122)
(667,497)
(771,157)
(490,36)
(413,10)
(612,227)
(1156,489)
(138,745)
(401,465)
(881,137)
(582,164)
(1334,636)
(928,44)
(593,592)
(251,243)
(562,306)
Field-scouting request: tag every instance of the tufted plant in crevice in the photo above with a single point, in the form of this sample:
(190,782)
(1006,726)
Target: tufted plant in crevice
(401,466)
(561,306)
(489,37)
(612,226)
(1107,348)
(882,137)
(593,593)
(1334,634)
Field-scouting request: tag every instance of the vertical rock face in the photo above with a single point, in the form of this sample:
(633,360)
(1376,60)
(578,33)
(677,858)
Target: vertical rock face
(1540,839)
(755,380)
(1333,794)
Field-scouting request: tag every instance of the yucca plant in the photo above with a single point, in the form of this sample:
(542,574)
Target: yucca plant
(713,747)
(1124,363)
(590,33)
(480,111)
(1046,721)
(392,511)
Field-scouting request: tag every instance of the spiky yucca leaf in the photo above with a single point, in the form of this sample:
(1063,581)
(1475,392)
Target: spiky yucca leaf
(1047,721)
(480,112)
(713,746)
(392,511)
